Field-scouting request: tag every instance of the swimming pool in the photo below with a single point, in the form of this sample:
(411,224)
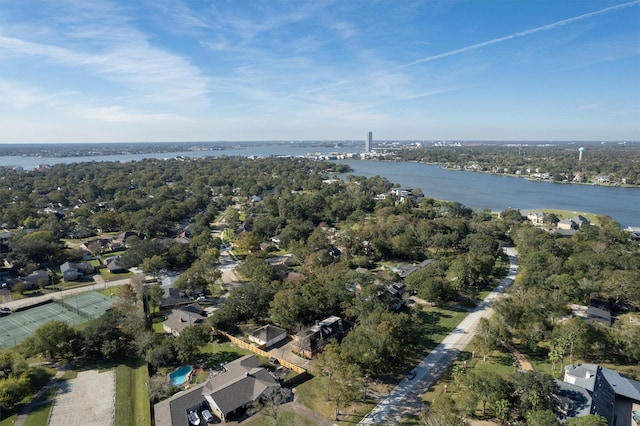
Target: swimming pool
(179,377)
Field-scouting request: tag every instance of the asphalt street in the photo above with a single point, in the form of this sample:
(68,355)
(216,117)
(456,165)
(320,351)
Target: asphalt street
(405,399)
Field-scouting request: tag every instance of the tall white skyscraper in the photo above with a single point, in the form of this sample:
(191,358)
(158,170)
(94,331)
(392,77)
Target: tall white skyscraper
(368,143)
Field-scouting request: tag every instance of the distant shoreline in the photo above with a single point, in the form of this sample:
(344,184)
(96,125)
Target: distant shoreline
(532,179)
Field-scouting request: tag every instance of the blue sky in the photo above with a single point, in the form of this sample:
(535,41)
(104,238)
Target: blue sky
(205,70)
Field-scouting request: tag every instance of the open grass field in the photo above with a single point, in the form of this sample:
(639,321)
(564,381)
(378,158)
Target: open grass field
(132,396)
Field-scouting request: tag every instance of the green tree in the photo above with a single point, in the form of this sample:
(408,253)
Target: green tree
(488,386)
(588,420)
(188,343)
(55,340)
(502,410)
(443,412)
(344,379)
(101,338)
(155,294)
(533,390)
(153,265)
(12,391)
(542,418)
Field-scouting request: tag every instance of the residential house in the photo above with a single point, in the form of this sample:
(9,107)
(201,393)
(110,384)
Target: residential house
(268,335)
(537,218)
(97,245)
(596,314)
(37,279)
(592,389)
(115,266)
(407,269)
(71,271)
(568,227)
(312,340)
(172,297)
(173,411)
(243,383)
(179,319)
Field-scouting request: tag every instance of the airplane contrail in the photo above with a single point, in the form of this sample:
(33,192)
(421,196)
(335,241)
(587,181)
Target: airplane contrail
(520,34)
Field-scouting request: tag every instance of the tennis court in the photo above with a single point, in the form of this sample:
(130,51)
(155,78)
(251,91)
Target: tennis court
(89,305)
(74,310)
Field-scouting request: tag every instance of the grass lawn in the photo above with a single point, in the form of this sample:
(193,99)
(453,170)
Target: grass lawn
(157,327)
(439,321)
(69,374)
(9,421)
(132,396)
(312,394)
(40,414)
(108,276)
(284,418)
(109,292)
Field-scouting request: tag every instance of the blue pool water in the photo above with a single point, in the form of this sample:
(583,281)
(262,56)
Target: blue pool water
(179,377)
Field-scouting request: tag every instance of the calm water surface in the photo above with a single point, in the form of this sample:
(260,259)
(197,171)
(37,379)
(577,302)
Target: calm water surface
(481,190)
(475,190)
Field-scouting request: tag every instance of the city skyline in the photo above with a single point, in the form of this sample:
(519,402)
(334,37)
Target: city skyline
(111,71)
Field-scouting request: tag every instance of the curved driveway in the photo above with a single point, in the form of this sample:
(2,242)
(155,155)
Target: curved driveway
(405,399)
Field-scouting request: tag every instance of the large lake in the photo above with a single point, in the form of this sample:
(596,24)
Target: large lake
(475,190)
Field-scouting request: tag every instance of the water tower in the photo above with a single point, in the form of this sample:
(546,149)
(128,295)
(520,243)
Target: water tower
(580,150)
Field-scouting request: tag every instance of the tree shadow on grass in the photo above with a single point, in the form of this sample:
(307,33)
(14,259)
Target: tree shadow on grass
(214,360)
(83,364)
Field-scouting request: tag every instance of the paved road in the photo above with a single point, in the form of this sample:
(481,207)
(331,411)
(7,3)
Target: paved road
(405,399)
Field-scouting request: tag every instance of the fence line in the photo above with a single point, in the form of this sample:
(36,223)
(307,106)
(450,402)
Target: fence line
(253,348)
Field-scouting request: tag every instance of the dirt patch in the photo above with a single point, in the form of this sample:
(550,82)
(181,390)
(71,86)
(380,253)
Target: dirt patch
(87,400)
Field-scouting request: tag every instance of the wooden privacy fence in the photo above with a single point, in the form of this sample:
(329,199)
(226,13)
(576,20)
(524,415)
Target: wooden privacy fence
(253,348)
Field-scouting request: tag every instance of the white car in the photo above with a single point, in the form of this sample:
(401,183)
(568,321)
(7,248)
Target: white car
(193,418)
(207,416)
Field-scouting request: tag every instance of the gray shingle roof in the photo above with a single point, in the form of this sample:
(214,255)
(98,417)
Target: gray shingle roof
(243,382)
(173,411)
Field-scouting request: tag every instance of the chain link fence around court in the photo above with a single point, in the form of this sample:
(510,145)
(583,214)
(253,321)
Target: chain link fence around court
(89,305)
(14,328)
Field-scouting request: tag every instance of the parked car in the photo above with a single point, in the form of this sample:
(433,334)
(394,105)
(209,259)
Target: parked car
(273,360)
(411,374)
(207,416)
(193,418)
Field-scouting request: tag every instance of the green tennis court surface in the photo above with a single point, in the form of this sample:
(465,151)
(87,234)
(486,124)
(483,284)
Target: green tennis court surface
(73,310)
